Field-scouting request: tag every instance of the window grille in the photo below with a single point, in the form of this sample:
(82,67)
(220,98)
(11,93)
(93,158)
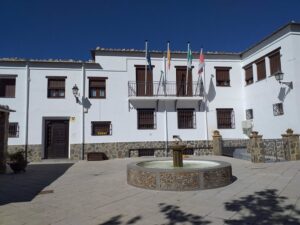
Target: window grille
(278,109)
(186,118)
(100,128)
(13,130)
(225,119)
(249,114)
(146,119)
(146,152)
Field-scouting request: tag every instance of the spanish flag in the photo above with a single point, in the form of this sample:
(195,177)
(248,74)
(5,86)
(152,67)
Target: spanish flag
(169,56)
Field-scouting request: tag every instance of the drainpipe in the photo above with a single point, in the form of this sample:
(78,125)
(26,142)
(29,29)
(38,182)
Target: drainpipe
(83,111)
(27,108)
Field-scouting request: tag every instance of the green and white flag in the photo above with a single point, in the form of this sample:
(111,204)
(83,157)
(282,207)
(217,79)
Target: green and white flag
(189,57)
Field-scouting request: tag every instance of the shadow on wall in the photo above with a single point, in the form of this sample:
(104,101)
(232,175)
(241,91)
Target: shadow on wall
(24,187)
(211,94)
(283,93)
(263,207)
(86,103)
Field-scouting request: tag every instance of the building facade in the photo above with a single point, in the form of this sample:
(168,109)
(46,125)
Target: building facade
(121,104)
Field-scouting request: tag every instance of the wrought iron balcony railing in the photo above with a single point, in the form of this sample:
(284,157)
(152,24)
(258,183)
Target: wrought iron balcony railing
(155,89)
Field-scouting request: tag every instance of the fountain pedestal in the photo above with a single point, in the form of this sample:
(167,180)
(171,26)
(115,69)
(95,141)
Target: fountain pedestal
(177,155)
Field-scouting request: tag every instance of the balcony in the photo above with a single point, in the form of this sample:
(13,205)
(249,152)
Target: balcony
(164,91)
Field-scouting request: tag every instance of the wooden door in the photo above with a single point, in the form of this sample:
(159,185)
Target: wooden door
(57,139)
(183,82)
(144,87)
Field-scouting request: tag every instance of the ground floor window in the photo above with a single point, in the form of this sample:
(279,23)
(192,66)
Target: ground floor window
(100,128)
(13,130)
(225,118)
(186,118)
(146,119)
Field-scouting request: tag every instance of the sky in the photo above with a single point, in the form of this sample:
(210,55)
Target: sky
(69,29)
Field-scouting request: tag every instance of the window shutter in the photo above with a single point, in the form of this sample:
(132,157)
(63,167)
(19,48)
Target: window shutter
(222,74)
(248,73)
(275,64)
(56,83)
(261,70)
(97,83)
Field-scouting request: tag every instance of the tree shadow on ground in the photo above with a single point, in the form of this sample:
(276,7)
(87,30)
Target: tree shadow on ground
(117,220)
(23,187)
(176,216)
(264,208)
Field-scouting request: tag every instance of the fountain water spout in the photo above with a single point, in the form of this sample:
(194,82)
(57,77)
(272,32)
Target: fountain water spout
(177,151)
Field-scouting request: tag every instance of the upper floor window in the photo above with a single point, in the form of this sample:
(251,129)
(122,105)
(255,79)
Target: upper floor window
(261,70)
(7,87)
(275,64)
(225,118)
(97,87)
(146,119)
(144,81)
(100,128)
(13,130)
(248,74)
(56,87)
(186,118)
(222,76)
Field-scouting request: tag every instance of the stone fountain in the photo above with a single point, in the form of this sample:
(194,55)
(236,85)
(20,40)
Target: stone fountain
(179,174)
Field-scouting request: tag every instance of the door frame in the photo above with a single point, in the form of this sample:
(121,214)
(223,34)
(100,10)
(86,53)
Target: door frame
(44,138)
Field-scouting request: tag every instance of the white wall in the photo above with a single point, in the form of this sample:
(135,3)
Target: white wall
(18,103)
(261,95)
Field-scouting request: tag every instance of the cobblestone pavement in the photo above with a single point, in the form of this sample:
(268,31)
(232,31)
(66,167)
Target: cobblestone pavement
(95,193)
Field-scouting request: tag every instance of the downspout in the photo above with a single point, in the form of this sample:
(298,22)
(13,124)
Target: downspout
(83,111)
(27,109)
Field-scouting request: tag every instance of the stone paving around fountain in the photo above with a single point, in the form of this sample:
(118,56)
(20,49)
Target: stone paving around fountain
(94,193)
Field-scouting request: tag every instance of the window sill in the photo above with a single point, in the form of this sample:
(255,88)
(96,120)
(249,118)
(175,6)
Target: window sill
(56,97)
(261,79)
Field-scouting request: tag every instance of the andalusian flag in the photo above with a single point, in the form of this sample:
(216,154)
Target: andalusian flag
(189,57)
(201,63)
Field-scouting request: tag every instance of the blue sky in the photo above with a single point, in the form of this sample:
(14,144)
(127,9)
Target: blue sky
(64,29)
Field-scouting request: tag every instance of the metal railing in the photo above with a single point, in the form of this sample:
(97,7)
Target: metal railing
(154,89)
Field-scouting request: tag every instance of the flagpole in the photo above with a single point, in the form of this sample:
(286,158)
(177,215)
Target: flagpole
(146,52)
(206,107)
(165,93)
(168,49)
(187,70)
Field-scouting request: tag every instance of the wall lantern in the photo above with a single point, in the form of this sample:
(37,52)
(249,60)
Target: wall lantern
(75,92)
(279,77)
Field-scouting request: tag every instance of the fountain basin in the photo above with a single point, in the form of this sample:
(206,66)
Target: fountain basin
(194,175)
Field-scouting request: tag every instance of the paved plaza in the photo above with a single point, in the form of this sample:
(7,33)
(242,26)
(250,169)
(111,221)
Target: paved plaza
(95,193)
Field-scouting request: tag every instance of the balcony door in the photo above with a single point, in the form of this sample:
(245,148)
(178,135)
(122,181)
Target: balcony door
(144,82)
(184,82)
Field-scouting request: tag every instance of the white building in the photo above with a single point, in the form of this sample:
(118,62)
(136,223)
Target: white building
(116,110)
